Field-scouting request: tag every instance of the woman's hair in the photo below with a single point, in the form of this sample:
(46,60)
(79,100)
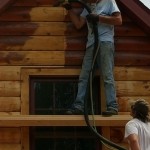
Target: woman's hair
(140,109)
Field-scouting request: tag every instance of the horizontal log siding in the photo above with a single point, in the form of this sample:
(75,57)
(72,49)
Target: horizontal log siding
(132,45)
(10,146)
(10,135)
(34,34)
(127,80)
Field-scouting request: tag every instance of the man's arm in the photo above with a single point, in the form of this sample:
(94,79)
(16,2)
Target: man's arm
(114,19)
(133,141)
(77,20)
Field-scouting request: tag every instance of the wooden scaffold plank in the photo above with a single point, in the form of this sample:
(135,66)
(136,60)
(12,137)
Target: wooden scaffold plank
(61,120)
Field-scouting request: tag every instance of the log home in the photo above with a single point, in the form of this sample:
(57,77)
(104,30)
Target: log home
(40,59)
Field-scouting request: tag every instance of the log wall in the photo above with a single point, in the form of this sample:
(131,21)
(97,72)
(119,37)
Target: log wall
(35,34)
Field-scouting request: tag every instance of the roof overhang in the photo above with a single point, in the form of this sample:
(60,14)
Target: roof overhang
(138,12)
(4,4)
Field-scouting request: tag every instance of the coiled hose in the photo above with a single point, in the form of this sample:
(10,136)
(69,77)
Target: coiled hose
(111,144)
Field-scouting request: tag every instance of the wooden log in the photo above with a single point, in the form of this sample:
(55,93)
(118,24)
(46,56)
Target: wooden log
(68,43)
(132,59)
(9,73)
(10,135)
(21,43)
(37,43)
(128,29)
(12,73)
(60,28)
(9,88)
(133,88)
(10,104)
(125,102)
(122,45)
(10,146)
(122,58)
(32,58)
(64,120)
(73,58)
(122,73)
(9,113)
(34,14)
(50,3)
(51,71)
(130,44)
(34,2)
(40,28)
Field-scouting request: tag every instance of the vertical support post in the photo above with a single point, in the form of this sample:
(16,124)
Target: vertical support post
(106,134)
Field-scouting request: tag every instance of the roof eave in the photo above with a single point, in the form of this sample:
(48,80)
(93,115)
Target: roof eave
(4,4)
(139,14)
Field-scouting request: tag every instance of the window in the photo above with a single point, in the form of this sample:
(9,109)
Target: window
(52,96)
(66,138)
(50,91)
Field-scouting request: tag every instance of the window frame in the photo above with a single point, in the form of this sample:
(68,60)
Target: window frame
(26,73)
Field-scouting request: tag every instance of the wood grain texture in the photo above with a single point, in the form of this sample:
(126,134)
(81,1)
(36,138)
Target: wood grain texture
(135,73)
(41,29)
(9,88)
(9,73)
(129,88)
(10,135)
(34,14)
(10,104)
(126,101)
(8,146)
(32,58)
(61,120)
(39,39)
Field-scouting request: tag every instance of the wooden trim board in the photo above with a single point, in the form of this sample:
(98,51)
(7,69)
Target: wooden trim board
(61,120)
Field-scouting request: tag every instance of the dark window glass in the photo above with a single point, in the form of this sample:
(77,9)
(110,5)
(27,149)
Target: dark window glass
(52,96)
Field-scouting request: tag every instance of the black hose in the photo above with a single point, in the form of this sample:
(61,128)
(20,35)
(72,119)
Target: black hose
(87,94)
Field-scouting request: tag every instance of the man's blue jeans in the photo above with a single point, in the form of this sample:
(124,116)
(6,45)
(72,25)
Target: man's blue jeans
(105,61)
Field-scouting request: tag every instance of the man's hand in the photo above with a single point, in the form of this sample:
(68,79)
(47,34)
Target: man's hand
(67,6)
(93,18)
